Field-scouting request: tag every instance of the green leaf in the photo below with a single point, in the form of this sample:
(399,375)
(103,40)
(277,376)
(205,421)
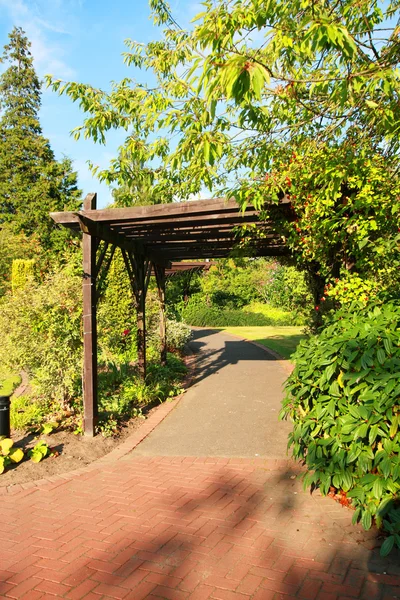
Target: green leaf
(373,432)
(366,520)
(386,466)
(387,546)
(377,488)
(381,355)
(356,516)
(16,455)
(5,446)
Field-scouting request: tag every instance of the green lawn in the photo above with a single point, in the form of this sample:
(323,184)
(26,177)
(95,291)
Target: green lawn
(282,340)
(8,384)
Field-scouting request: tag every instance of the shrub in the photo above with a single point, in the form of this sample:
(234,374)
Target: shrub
(279,316)
(123,395)
(287,288)
(344,399)
(116,316)
(178,334)
(198,314)
(22,273)
(40,329)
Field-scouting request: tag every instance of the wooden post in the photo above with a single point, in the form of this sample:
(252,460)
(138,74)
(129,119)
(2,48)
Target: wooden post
(90,403)
(141,315)
(159,272)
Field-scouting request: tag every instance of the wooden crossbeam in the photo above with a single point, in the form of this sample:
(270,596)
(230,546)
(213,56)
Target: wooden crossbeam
(100,231)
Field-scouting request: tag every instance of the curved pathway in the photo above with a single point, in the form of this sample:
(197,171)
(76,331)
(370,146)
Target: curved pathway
(138,526)
(231,409)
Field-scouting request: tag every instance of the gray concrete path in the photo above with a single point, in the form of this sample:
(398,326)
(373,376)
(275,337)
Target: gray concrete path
(232,408)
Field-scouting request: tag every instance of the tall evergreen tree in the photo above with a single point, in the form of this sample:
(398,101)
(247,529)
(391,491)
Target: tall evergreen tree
(32,182)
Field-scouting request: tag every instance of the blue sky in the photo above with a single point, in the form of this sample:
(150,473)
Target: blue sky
(82,40)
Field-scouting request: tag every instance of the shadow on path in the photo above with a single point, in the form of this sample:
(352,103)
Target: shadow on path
(186,529)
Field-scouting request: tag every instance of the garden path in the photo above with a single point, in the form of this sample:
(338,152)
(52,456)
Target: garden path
(135,527)
(232,407)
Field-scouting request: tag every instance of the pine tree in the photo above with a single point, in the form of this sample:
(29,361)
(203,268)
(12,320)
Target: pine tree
(32,182)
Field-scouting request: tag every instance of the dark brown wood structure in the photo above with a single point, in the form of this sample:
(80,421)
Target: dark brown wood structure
(159,240)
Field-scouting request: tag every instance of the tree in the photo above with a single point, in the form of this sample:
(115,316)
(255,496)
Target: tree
(32,182)
(262,99)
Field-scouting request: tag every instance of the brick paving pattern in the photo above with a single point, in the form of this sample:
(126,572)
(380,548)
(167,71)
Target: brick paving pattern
(186,528)
(148,527)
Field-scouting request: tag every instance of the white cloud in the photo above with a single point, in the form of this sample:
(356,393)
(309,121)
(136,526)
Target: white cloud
(41,19)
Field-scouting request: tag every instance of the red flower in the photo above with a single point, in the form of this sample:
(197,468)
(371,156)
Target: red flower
(126,332)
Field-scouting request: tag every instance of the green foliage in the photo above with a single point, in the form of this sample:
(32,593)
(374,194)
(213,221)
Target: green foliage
(8,454)
(22,273)
(278,316)
(116,316)
(344,399)
(287,288)
(234,283)
(352,288)
(8,384)
(32,182)
(40,328)
(38,452)
(196,312)
(178,334)
(14,246)
(26,411)
(264,100)
(123,395)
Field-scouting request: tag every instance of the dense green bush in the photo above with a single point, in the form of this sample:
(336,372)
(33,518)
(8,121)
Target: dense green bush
(40,329)
(22,273)
(116,316)
(197,313)
(123,395)
(344,399)
(279,316)
(287,288)
(26,411)
(178,334)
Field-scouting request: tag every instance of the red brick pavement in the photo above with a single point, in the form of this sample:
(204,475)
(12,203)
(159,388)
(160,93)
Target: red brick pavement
(186,528)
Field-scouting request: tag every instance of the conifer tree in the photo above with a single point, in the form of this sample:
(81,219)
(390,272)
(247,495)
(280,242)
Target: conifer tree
(32,182)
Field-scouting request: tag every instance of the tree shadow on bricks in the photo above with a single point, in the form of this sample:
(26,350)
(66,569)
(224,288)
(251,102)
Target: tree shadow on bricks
(234,530)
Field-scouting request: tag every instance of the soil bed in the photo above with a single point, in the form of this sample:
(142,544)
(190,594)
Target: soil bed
(70,452)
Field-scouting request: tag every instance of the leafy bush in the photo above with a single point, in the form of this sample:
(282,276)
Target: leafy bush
(123,395)
(279,316)
(40,329)
(178,334)
(198,314)
(344,399)
(26,411)
(287,288)
(22,273)
(116,316)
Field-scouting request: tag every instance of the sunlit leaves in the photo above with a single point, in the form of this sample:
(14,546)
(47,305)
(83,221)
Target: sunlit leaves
(351,437)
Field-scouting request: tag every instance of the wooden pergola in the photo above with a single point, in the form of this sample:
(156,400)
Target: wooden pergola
(160,240)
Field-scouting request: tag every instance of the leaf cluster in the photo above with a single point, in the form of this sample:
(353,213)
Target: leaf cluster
(344,400)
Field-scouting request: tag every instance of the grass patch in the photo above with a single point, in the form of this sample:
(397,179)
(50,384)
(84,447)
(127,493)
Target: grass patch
(9,384)
(282,340)
(26,411)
